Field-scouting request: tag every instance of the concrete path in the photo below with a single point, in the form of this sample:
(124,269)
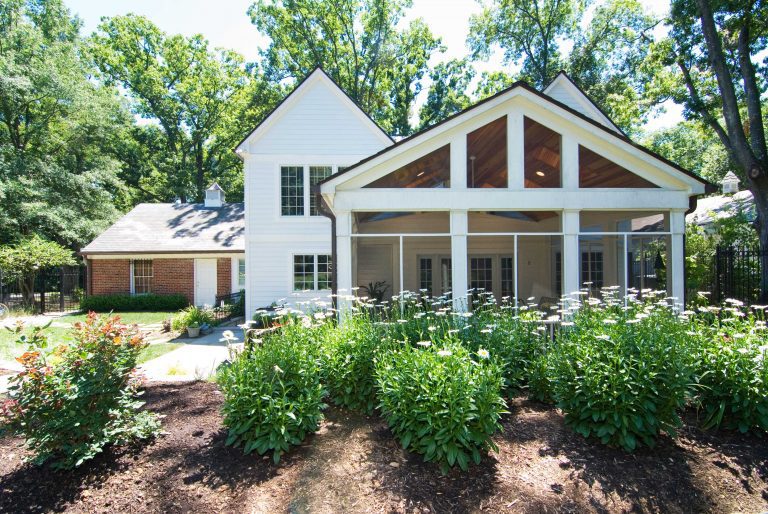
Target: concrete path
(196,360)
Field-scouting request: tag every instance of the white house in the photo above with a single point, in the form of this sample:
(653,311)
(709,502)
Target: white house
(527,194)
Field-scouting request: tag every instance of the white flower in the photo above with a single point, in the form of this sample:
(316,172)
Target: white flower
(486,331)
(402,321)
(632,321)
(483,354)
(444,353)
(227,334)
(319,315)
(603,337)
(424,343)
(567,324)
(277,369)
(743,351)
(609,321)
(431,329)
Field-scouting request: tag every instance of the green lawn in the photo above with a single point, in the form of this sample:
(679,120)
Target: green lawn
(156,350)
(142,318)
(10,350)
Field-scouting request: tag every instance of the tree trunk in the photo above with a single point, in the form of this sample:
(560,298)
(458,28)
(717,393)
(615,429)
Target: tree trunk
(761,207)
(200,172)
(27,289)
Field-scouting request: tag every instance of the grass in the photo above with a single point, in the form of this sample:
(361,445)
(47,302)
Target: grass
(142,318)
(9,350)
(154,351)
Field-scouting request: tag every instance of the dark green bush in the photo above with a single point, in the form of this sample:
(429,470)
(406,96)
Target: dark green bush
(70,403)
(133,303)
(273,396)
(622,375)
(731,371)
(192,316)
(442,403)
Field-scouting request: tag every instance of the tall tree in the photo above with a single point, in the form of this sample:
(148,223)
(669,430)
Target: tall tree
(57,178)
(358,43)
(189,91)
(448,92)
(712,54)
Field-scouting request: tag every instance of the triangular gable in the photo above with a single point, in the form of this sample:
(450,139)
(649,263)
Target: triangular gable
(317,78)
(565,91)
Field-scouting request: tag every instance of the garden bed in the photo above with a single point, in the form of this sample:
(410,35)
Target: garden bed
(354,464)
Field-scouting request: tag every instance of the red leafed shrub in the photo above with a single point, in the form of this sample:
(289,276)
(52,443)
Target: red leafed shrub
(71,401)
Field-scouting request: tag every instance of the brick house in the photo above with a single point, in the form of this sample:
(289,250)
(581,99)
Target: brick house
(197,250)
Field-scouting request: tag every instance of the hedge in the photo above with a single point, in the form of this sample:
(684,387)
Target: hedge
(132,303)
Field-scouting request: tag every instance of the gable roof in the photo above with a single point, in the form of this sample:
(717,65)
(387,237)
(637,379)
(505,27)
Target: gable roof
(520,84)
(318,74)
(174,228)
(579,100)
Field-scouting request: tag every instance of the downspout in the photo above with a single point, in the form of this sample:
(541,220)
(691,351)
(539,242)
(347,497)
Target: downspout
(326,211)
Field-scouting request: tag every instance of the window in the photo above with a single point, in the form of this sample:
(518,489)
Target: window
(292,191)
(425,274)
(445,275)
(316,175)
(241,273)
(508,277)
(592,268)
(481,273)
(142,277)
(311,272)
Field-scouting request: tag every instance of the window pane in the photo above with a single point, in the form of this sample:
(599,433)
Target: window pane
(446,275)
(292,191)
(487,155)
(508,277)
(425,275)
(324,272)
(542,155)
(316,174)
(303,272)
(142,276)
(481,274)
(241,273)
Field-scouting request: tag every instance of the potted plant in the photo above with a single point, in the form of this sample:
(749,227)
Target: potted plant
(193,329)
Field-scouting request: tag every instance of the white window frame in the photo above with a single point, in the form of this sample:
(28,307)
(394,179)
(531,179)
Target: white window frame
(315,272)
(133,275)
(307,189)
(241,263)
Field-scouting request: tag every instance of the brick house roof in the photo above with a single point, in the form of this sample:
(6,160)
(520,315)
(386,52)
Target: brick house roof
(174,228)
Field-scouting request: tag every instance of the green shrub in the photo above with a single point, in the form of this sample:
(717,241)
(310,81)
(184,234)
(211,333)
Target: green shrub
(192,316)
(133,303)
(622,375)
(443,403)
(732,375)
(348,369)
(272,393)
(71,402)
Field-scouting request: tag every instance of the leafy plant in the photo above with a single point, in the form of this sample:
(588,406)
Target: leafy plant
(69,403)
(442,403)
(376,290)
(133,303)
(272,393)
(192,317)
(731,371)
(622,375)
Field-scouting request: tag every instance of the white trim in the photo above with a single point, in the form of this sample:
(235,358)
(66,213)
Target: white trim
(153,256)
(576,94)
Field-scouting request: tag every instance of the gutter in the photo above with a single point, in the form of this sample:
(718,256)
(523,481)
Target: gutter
(325,210)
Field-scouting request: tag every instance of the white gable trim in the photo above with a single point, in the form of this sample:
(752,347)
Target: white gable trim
(562,81)
(316,78)
(492,109)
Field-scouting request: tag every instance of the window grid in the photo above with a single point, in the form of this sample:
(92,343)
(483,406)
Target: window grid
(317,174)
(292,190)
(592,268)
(507,276)
(241,273)
(312,272)
(481,273)
(425,274)
(324,272)
(142,276)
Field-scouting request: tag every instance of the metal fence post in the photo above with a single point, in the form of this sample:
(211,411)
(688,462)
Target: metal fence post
(42,291)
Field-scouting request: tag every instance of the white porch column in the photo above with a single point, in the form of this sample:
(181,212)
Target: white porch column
(570,163)
(459,226)
(570,252)
(459,162)
(676,256)
(343,258)
(515,151)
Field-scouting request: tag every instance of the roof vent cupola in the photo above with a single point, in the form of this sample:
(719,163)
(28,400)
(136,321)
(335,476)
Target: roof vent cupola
(214,196)
(730,183)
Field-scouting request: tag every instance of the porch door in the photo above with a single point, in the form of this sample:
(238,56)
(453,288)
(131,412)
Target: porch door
(205,282)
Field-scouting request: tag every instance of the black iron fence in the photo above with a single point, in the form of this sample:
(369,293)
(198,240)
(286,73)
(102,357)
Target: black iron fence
(737,274)
(53,290)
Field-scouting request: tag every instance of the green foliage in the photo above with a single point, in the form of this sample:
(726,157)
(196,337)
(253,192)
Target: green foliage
(272,393)
(622,375)
(32,254)
(360,43)
(192,316)
(442,403)
(731,371)
(447,94)
(73,401)
(133,303)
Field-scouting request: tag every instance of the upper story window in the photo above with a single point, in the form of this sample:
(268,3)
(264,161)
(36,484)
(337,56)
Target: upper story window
(296,183)
(292,191)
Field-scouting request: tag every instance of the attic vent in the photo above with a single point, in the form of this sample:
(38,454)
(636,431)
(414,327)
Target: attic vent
(214,196)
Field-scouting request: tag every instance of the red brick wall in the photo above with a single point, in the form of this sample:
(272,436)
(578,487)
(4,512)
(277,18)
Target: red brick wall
(223,276)
(111,276)
(174,276)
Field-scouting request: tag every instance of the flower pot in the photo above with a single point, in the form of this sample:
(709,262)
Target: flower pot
(193,331)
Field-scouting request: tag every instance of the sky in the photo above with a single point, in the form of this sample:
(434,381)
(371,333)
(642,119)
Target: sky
(225,24)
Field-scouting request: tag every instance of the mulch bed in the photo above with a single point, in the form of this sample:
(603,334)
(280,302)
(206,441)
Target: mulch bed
(353,464)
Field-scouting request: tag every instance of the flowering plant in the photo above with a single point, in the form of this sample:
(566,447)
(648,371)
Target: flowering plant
(71,401)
